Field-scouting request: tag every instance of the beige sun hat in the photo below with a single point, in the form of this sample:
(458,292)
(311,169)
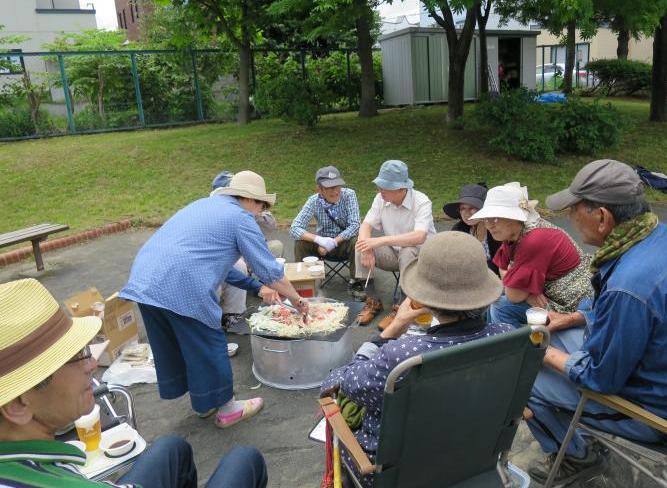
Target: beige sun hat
(451,273)
(36,336)
(249,185)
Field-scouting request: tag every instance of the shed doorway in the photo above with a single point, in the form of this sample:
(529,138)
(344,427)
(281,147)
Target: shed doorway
(509,62)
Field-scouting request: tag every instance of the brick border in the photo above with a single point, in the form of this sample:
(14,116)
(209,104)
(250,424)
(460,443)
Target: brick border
(22,253)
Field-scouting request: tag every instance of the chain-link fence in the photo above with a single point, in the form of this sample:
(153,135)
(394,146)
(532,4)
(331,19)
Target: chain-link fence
(71,92)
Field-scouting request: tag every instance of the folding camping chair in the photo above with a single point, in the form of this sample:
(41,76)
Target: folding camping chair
(335,267)
(451,419)
(656,453)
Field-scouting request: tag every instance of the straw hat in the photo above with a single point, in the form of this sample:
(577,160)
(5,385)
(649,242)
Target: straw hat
(451,273)
(509,201)
(249,185)
(36,336)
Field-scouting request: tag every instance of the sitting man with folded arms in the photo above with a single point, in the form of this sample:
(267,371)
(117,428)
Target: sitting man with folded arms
(45,384)
(405,217)
(621,351)
(336,212)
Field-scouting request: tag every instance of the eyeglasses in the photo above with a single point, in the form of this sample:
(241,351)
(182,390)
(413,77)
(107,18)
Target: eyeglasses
(82,355)
(265,206)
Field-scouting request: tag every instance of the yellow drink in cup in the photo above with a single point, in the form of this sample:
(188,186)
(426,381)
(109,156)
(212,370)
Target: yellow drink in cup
(424,319)
(89,429)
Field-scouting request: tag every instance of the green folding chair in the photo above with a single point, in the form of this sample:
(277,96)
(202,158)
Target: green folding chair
(451,419)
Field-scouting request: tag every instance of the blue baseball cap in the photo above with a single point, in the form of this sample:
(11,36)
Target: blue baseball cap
(393,175)
(222,180)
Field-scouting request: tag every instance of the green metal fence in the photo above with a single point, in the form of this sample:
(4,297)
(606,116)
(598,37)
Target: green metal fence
(75,92)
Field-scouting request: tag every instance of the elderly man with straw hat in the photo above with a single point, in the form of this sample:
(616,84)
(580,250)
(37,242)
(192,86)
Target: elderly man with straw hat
(45,385)
(405,217)
(450,277)
(175,278)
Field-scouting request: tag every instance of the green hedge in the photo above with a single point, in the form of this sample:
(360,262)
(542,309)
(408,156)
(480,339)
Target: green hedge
(519,126)
(616,77)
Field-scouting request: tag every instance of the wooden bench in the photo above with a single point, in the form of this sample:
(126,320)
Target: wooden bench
(34,234)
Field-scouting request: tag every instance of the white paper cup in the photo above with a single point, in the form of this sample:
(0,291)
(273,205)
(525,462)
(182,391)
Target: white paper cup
(281,261)
(537,316)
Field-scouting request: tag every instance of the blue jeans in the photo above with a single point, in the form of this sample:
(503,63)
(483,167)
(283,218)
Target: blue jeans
(189,357)
(168,463)
(505,312)
(554,398)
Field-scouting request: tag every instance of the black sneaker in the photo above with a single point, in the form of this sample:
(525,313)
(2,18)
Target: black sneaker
(571,469)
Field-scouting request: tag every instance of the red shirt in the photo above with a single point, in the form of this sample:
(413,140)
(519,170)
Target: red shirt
(541,255)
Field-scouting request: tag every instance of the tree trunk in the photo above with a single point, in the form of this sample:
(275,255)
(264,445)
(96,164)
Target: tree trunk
(33,99)
(659,79)
(571,48)
(482,19)
(245,52)
(623,43)
(100,93)
(365,49)
(455,86)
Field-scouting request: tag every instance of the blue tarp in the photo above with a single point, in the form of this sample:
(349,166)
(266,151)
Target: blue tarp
(552,98)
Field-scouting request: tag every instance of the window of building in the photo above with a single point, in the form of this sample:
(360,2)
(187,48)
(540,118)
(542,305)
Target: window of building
(11,65)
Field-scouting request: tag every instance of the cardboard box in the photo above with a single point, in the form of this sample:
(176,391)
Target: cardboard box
(302,280)
(119,325)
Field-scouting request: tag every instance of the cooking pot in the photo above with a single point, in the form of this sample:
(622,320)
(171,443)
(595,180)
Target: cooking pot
(300,364)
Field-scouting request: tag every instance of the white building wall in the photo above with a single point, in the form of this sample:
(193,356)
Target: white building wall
(528,61)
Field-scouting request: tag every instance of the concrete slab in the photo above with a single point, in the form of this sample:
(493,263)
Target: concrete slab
(281,430)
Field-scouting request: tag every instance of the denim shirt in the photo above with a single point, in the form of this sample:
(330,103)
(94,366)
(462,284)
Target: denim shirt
(182,265)
(625,346)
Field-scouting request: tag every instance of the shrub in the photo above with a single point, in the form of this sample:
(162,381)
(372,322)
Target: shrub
(16,122)
(523,128)
(520,127)
(620,76)
(588,127)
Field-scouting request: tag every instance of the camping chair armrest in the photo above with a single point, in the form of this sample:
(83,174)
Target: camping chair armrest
(345,435)
(628,408)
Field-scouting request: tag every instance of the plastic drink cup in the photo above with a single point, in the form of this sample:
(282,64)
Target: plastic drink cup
(537,316)
(89,429)
(424,319)
(281,261)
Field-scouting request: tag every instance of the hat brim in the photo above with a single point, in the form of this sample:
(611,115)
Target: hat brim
(500,212)
(326,183)
(562,200)
(268,198)
(393,185)
(451,209)
(25,377)
(461,298)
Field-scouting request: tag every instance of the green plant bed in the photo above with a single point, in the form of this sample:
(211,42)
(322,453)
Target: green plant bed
(85,181)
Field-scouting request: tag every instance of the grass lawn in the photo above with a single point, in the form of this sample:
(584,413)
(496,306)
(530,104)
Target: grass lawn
(85,181)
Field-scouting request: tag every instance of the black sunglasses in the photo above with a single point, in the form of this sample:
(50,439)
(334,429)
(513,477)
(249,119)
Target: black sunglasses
(82,355)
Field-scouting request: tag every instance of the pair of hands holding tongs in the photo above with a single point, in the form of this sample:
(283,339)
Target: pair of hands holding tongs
(301,309)
(271,296)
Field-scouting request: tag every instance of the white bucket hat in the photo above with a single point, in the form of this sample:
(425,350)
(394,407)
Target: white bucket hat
(249,185)
(509,201)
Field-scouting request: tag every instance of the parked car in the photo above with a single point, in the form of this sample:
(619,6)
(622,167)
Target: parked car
(551,71)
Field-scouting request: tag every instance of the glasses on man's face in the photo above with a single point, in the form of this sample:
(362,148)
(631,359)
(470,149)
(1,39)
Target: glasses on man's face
(82,355)
(264,205)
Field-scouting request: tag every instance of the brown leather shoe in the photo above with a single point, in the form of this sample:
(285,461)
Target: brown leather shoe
(370,310)
(387,319)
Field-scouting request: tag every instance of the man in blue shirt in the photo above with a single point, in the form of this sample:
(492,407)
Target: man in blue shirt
(621,350)
(336,211)
(175,278)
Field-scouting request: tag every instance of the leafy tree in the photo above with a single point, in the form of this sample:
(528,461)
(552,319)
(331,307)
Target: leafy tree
(659,79)
(555,15)
(458,46)
(335,20)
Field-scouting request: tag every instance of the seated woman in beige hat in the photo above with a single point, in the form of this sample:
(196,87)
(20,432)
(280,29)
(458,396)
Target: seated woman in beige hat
(45,385)
(540,264)
(451,278)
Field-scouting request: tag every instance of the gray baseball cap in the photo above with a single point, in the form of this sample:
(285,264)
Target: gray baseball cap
(329,176)
(602,181)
